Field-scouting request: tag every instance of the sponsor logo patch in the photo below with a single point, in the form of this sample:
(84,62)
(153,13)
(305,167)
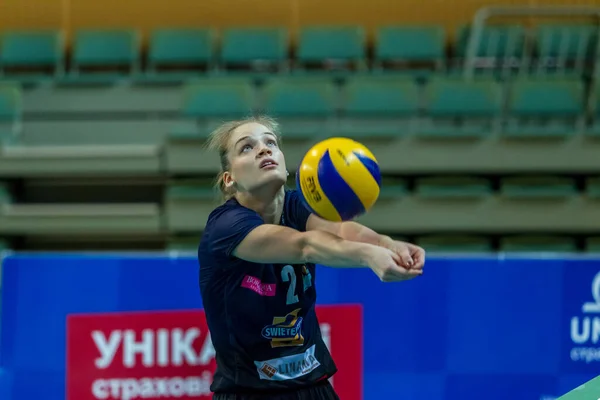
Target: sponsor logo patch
(289,367)
(256,285)
(285,331)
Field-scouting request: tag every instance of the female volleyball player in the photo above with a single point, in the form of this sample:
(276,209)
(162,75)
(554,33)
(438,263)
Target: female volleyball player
(257,271)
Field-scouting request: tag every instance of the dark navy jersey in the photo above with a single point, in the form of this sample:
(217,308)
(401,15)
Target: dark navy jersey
(261,317)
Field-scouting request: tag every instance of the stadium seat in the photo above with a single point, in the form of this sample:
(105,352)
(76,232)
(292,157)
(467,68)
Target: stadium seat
(392,188)
(592,244)
(197,191)
(305,105)
(81,218)
(593,187)
(564,49)
(593,129)
(544,108)
(537,187)
(263,49)
(455,244)
(459,187)
(184,243)
(378,106)
(183,199)
(458,109)
(206,102)
(10,112)
(222,97)
(418,49)
(537,243)
(331,48)
(30,56)
(5,196)
(499,51)
(177,53)
(115,52)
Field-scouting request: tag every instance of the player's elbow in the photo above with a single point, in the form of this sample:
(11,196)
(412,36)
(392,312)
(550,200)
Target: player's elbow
(312,245)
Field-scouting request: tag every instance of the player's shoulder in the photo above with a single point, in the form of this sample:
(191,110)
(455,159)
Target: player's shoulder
(228,212)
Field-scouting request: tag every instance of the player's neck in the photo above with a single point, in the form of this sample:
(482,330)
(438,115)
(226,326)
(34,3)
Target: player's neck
(267,205)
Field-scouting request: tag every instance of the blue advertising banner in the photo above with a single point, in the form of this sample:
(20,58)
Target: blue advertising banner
(471,327)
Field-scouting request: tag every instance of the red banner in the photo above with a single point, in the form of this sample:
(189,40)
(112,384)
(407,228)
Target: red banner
(169,354)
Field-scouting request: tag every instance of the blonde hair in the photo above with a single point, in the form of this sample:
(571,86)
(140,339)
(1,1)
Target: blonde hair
(219,141)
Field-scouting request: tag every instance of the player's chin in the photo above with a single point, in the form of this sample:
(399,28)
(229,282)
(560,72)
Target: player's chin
(273,174)
(271,179)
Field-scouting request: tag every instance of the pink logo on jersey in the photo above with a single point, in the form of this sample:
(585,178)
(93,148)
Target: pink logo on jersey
(255,284)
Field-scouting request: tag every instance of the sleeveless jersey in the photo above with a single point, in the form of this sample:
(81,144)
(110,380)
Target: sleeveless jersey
(261,317)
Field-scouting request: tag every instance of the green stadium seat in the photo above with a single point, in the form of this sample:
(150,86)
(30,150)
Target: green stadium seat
(211,101)
(593,187)
(537,187)
(564,49)
(331,48)
(593,130)
(10,112)
(183,244)
(304,105)
(191,192)
(30,56)
(185,198)
(544,108)
(378,106)
(537,243)
(5,196)
(499,51)
(182,51)
(392,188)
(111,53)
(261,49)
(460,109)
(218,98)
(419,47)
(455,244)
(592,244)
(459,187)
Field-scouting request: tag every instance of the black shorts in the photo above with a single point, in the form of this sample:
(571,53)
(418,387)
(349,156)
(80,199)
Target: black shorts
(320,391)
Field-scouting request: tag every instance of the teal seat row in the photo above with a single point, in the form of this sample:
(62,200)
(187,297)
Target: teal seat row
(202,45)
(368,95)
(444,107)
(447,107)
(206,49)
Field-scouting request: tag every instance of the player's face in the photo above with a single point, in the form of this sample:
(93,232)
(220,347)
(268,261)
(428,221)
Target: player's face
(255,157)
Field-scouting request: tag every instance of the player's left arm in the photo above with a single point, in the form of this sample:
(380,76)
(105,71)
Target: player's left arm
(412,255)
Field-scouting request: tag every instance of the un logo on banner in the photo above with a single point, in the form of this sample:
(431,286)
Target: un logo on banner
(585,329)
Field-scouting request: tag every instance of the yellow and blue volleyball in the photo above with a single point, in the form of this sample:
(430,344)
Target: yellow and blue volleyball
(339,179)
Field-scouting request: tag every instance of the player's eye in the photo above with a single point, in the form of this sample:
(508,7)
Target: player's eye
(272,143)
(245,148)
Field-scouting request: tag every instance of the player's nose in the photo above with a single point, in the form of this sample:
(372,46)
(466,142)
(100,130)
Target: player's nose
(264,150)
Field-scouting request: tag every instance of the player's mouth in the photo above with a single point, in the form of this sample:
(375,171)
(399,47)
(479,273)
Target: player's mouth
(268,163)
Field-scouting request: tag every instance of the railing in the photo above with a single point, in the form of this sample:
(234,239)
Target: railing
(483,15)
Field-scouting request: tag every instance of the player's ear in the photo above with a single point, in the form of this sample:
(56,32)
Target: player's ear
(228,181)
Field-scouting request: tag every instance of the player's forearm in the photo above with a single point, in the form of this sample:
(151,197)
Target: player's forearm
(320,247)
(356,232)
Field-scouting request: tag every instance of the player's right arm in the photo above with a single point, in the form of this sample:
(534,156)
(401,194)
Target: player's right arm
(268,243)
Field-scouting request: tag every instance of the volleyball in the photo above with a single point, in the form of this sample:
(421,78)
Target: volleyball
(338,179)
